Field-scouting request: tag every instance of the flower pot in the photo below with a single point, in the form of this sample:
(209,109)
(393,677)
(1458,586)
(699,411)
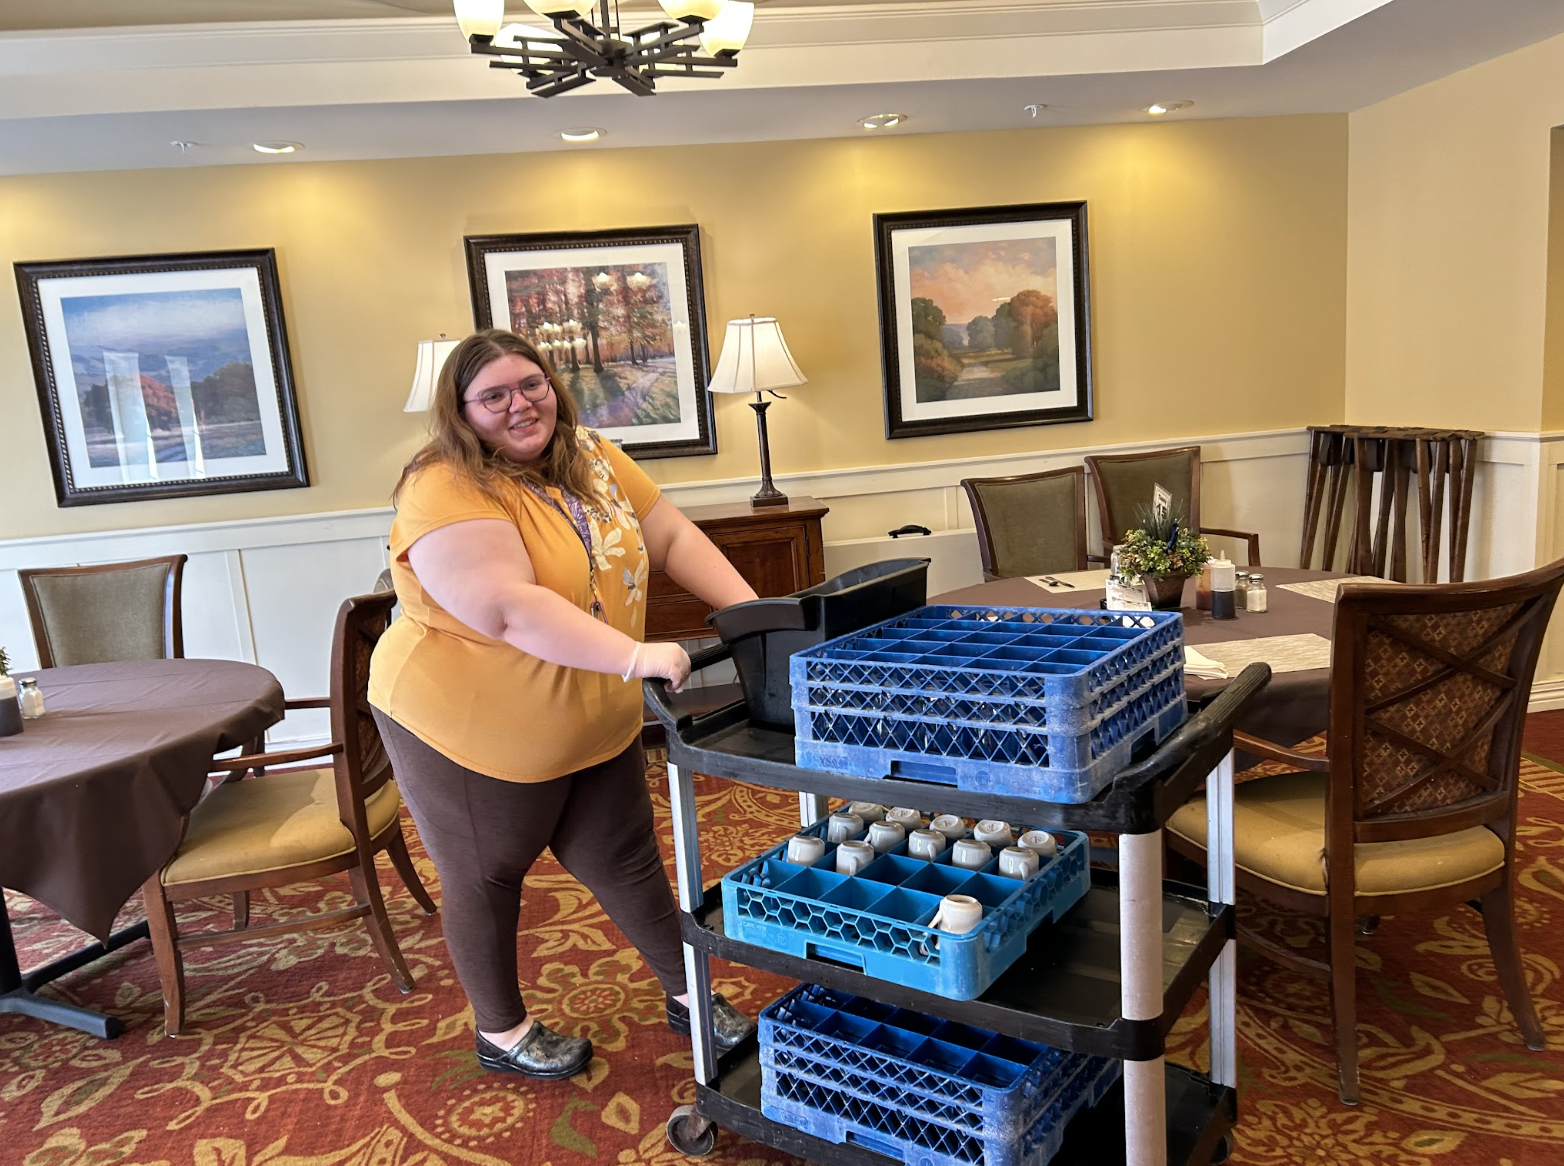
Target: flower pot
(1165,592)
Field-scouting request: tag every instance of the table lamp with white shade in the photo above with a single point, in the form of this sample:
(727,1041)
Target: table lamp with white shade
(431,359)
(755,359)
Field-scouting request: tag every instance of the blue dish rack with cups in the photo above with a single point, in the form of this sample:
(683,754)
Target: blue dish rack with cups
(916,1088)
(1046,703)
(877,920)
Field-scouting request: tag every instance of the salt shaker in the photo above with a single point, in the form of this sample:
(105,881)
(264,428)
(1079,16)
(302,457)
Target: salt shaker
(1255,599)
(30,698)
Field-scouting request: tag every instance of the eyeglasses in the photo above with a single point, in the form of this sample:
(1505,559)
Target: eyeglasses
(497,398)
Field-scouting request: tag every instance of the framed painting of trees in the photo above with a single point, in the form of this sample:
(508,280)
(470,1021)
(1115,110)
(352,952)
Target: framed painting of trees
(162,375)
(984,318)
(622,316)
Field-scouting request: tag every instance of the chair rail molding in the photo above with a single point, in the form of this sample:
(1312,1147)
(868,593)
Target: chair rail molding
(266,590)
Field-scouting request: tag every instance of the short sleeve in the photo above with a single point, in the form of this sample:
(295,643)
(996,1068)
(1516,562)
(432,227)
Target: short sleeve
(437,496)
(639,490)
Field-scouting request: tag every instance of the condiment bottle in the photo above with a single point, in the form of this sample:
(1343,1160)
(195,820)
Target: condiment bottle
(1222,583)
(1256,600)
(1203,588)
(1240,589)
(10,712)
(30,699)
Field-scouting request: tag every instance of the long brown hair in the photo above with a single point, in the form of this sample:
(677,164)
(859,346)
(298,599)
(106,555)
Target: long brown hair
(455,443)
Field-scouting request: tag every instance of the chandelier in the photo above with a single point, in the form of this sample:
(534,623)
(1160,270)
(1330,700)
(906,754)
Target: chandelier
(701,38)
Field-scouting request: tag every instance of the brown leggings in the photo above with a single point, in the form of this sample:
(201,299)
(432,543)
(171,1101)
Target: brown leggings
(483,834)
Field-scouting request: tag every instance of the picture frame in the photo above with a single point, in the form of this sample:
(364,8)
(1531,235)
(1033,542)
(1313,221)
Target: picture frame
(162,376)
(622,314)
(951,367)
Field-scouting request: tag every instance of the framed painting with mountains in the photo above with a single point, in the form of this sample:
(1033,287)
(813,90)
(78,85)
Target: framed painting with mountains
(161,376)
(984,318)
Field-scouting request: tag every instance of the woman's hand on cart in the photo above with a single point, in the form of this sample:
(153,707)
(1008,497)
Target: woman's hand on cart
(669,661)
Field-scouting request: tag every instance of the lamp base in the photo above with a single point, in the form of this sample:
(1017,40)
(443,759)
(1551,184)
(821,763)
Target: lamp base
(768,495)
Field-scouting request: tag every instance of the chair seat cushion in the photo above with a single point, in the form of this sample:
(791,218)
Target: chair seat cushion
(271,823)
(1279,836)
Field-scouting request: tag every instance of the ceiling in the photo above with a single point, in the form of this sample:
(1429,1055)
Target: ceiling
(111,84)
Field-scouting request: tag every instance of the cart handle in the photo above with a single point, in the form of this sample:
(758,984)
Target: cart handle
(1214,720)
(655,688)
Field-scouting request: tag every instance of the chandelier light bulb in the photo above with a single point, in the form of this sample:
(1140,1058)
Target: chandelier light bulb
(480,17)
(602,281)
(692,9)
(729,29)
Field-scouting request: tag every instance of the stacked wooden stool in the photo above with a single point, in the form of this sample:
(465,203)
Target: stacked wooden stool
(1445,462)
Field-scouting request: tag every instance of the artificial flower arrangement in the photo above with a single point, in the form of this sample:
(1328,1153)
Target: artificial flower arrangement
(1161,547)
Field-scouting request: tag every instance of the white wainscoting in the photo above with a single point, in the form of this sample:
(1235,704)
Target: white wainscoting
(267,590)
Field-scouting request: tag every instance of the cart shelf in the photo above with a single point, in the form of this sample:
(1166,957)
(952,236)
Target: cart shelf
(1064,991)
(723,743)
(1199,1116)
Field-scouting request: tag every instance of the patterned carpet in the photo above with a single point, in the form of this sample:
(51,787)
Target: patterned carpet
(299,1053)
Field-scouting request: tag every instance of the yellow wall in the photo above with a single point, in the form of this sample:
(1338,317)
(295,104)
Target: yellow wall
(1447,248)
(1218,266)
(1553,340)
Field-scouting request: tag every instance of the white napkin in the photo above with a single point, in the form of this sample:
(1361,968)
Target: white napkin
(1205,668)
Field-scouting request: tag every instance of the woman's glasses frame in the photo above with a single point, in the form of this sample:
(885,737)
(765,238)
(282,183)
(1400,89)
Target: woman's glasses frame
(497,398)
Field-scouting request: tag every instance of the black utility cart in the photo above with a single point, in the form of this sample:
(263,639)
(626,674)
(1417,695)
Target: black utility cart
(1109,979)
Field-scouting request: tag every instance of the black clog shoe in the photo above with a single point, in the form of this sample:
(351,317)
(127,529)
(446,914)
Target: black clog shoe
(542,1053)
(729,1024)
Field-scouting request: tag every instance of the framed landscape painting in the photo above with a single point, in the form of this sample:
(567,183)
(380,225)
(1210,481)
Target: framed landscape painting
(984,318)
(622,316)
(161,376)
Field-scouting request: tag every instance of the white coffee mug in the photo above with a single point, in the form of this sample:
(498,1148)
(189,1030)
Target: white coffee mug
(994,832)
(957,914)
(950,825)
(805,849)
(926,844)
(1017,862)
(853,855)
(885,836)
(868,811)
(905,818)
(970,854)
(841,827)
(1042,843)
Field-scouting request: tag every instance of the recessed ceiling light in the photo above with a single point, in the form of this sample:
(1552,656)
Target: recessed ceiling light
(882,121)
(1158,108)
(276,147)
(1034,107)
(585,134)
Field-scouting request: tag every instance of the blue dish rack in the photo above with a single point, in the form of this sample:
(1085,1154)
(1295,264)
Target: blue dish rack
(924,1091)
(877,920)
(1045,703)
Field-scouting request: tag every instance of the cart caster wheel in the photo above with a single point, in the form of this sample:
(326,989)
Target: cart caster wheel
(681,1137)
(1223,1151)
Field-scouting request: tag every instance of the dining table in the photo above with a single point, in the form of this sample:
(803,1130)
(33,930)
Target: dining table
(94,796)
(1292,635)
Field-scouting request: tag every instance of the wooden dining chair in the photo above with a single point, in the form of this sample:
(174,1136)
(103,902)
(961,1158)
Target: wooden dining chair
(1030,524)
(1413,806)
(1123,483)
(106,612)
(294,826)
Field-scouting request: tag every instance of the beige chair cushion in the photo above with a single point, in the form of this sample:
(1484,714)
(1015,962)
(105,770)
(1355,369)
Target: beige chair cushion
(271,823)
(1279,835)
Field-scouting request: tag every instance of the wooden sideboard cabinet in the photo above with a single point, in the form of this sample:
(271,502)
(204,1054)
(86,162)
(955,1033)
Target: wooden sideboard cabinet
(778,549)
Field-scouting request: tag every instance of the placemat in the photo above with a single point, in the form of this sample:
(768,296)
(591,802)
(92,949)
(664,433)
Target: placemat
(1066,581)
(1299,653)
(1326,589)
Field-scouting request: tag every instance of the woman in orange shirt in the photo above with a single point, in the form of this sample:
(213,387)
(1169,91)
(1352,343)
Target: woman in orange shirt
(506,693)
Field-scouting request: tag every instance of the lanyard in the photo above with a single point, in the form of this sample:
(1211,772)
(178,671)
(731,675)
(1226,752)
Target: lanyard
(577,517)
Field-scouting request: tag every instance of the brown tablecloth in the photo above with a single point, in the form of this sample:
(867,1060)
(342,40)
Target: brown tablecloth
(1292,708)
(92,795)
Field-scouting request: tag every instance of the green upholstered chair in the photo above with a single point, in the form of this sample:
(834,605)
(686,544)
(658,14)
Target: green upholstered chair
(1123,483)
(1030,524)
(107,612)
(1413,806)
(296,825)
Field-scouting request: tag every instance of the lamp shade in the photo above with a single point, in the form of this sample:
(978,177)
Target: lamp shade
(692,9)
(755,357)
(431,358)
(480,17)
(729,29)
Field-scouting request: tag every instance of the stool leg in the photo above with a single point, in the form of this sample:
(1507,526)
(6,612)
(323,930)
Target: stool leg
(1398,534)
(1382,518)
(1437,508)
(1424,503)
(1313,491)
(1336,504)
(1459,530)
